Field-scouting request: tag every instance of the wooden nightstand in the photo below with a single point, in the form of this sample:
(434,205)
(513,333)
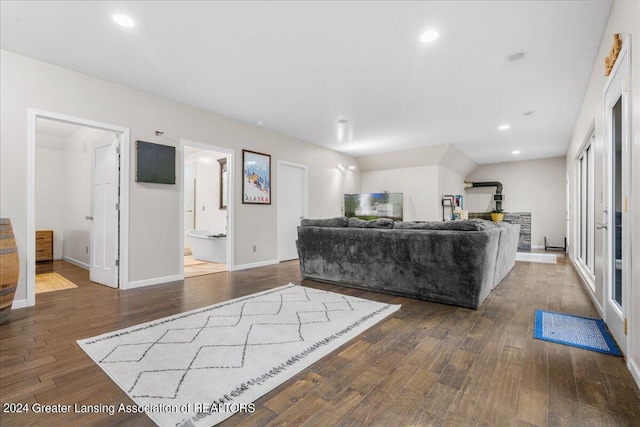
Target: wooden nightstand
(44,245)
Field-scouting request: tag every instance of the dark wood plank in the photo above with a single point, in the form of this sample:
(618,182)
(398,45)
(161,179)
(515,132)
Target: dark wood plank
(427,364)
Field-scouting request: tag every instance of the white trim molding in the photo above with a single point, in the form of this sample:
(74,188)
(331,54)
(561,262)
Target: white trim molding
(586,286)
(19,303)
(231,235)
(33,115)
(155,281)
(536,257)
(256,264)
(635,370)
(76,262)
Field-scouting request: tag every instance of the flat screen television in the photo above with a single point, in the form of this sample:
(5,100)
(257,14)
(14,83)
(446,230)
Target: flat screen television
(155,163)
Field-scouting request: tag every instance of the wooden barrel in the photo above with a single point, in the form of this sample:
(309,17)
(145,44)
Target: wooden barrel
(9,268)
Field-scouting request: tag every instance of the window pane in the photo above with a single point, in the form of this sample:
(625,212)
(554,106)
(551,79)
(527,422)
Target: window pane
(617,201)
(585,208)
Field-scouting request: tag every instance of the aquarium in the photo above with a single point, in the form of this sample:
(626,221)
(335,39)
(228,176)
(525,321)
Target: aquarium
(373,205)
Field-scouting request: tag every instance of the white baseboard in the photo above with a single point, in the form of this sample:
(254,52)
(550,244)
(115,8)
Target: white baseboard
(255,264)
(635,370)
(585,284)
(153,281)
(532,257)
(19,303)
(537,246)
(76,262)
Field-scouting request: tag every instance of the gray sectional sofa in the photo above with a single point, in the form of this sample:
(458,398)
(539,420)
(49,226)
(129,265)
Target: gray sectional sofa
(456,262)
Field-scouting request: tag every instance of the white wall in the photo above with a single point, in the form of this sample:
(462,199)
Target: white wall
(78,158)
(419,186)
(450,182)
(50,189)
(154,208)
(623,19)
(63,191)
(536,186)
(423,175)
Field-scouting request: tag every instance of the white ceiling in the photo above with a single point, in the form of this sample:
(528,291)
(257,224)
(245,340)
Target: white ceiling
(299,67)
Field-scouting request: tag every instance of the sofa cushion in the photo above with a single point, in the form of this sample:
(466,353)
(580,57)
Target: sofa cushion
(374,223)
(470,225)
(340,221)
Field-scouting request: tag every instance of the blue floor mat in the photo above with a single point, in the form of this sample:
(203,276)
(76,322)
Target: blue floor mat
(576,331)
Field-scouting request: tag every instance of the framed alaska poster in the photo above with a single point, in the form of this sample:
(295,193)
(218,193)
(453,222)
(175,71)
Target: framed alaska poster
(256,178)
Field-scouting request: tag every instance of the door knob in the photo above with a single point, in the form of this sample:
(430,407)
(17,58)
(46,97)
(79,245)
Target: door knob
(88,218)
(301,217)
(601,226)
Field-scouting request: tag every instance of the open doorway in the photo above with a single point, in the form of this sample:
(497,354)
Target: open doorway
(77,220)
(69,191)
(206,195)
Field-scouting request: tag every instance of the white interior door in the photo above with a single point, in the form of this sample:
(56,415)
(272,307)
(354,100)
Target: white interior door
(189,200)
(104,210)
(292,207)
(617,155)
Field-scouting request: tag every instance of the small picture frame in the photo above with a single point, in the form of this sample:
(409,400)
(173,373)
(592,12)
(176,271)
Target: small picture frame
(256,178)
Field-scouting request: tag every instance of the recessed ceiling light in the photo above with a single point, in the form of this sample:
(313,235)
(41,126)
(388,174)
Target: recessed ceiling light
(343,121)
(124,20)
(528,113)
(504,127)
(515,152)
(260,124)
(516,56)
(428,36)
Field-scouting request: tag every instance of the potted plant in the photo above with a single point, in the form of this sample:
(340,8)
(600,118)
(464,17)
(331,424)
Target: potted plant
(497,215)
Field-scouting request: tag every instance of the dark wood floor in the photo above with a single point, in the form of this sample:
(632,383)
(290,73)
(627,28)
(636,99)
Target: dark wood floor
(427,364)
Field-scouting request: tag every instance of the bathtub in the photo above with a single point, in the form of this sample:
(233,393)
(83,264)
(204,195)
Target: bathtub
(206,248)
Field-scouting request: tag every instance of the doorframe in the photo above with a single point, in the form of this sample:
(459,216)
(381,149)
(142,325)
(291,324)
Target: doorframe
(623,66)
(33,114)
(230,200)
(305,199)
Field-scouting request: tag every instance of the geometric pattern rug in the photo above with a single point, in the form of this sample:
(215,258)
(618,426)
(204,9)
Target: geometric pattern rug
(576,331)
(200,367)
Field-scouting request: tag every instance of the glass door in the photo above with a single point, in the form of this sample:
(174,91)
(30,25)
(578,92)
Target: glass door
(615,203)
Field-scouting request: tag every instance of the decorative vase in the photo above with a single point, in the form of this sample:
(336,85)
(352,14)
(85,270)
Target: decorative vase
(497,217)
(9,268)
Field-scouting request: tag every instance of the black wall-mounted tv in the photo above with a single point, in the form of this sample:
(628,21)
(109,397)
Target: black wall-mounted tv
(155,163)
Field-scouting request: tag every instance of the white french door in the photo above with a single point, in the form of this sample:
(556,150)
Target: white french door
(617,172)
(292,207)
(104,212)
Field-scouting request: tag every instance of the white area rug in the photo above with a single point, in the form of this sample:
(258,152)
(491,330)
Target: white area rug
(200,367)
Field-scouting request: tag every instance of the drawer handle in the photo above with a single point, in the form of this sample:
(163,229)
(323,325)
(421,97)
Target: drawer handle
(40,238)
(40,250)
